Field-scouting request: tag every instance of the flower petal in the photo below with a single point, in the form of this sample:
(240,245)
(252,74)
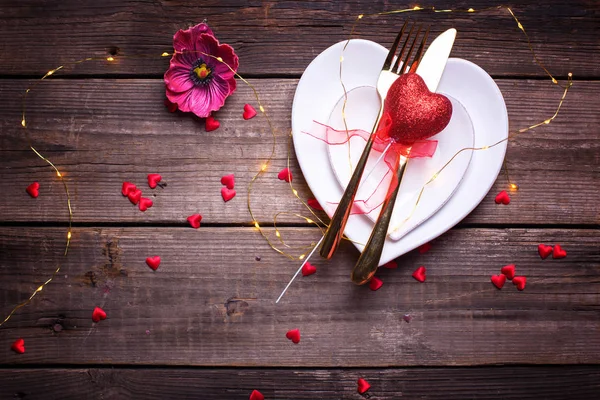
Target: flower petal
(183,40)
(178,79)
(181,99)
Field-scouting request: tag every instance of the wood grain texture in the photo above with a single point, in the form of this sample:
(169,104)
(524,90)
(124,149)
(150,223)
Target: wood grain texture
(211,303)
(283,37)
(103,132)
(560,382)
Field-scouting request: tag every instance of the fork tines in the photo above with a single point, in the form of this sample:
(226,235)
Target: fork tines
(402,65)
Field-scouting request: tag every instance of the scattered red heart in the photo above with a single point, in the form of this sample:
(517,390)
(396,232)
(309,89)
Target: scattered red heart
(153,262)
(211,124)
(390,265)
(285,175)
(98,314)
(228,180)
(308,269)
(558,252)
(256,395)
(293,335)
(153,180)
(503,198)
(363,386)
(544,250)
(134,196)
(18,346)
(499,280)
(508,271)
(420,274)
(172,107)
(194,220)
(375,283)
(313,203)
(249,112)
(145,204)
(424,248)
(520,282)
(33,189)
(227,194)
(127,188)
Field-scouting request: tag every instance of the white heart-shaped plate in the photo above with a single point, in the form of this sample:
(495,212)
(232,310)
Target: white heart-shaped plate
(320,90)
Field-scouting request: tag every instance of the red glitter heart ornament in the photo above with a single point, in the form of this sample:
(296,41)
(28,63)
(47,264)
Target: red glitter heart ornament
(314,204)
(134,196)
(520,282)
(33,189)
(211,124)
(145,204)
(375,283)
(420,274)
(194,220)
(362,385)
(498,280)
(558,252)
(18,346)
(502,198)
(227,194)
(544,250)
(293,335)
(127,188)
(285,175)
(415,112)
(153,180)
(508,271)
(228,180)
(249,112)
(308,269)
(153,262)
(98,314)
(256,395)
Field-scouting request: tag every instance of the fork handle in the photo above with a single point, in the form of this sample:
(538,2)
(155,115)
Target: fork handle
(368,261)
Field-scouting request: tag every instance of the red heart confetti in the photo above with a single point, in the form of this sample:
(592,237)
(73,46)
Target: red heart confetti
(544,250)
(420,274)
(211,124)
(153,262)
(390,265)
(33,189)
(424,248)
(558,252)
(18,346)
(313,203)
(227,194)
(285,175)
(98,314)
(308,269)
(520,282)
(172,107)
(145,204)
(375,283)
(407,318)
(153,180)
(499,280)
(127,188)
(134,196)
(249,112)
(194,220)
(508,271)
(228,180)
(256,395)
(363,385)
(293,335)
(502,197)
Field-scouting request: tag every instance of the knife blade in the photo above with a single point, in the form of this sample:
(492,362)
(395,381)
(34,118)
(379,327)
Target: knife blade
(435,58)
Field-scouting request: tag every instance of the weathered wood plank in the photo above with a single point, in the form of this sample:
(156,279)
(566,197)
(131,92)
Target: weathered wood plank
(211,303)
(282,37)
(560,382)
(104,132)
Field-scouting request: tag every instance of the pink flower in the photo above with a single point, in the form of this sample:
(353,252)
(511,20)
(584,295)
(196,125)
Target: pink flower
(196,81)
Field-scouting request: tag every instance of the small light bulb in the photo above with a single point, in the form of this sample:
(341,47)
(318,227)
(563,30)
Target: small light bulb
(261,108)
(470,10)
(570,74)
(310,221)
(23,122)
(360,16)
(295,192)
(165,54)
(256,225)
(69,235)
(219,59)
(485,147)
(547,121)
(110,58)
(514,186)
(301,256)
(341,58)
(50,72)
(277,234)
(416,8)
(434,177)
(264,167)
(58,174)
(554,81)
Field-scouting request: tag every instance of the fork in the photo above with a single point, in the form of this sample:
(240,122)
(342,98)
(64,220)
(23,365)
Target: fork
(388,75)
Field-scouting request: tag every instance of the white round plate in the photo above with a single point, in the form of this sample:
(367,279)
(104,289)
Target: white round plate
(320,90)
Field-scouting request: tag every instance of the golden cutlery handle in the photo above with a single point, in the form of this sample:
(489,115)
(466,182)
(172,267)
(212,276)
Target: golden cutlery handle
(367,263)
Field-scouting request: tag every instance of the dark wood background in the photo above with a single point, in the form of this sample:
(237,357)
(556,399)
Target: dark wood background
(205,324)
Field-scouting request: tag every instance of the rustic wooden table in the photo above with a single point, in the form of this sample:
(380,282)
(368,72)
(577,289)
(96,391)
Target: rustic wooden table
(205,325)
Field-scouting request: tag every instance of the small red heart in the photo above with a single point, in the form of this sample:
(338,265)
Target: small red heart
(285,175)
(420,274)
(363,385)
(391,265)
(194,220)
(424,248)
(520,282)
(127,188)
(172,107)
(145,204)
(153,180)
(18,346)
(313,203)
(508,271)
(375,283)
(293,335)
(308,269)
(498,280)
(153,262)
(249,112)
(503,198)
(98,314)
(134,196)
(227,194)
(33,189)
(544,250)
(228,180)
(211,124)
(256,395)
(558,252)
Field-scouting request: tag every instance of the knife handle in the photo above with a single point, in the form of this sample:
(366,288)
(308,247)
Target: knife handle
(368,261)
